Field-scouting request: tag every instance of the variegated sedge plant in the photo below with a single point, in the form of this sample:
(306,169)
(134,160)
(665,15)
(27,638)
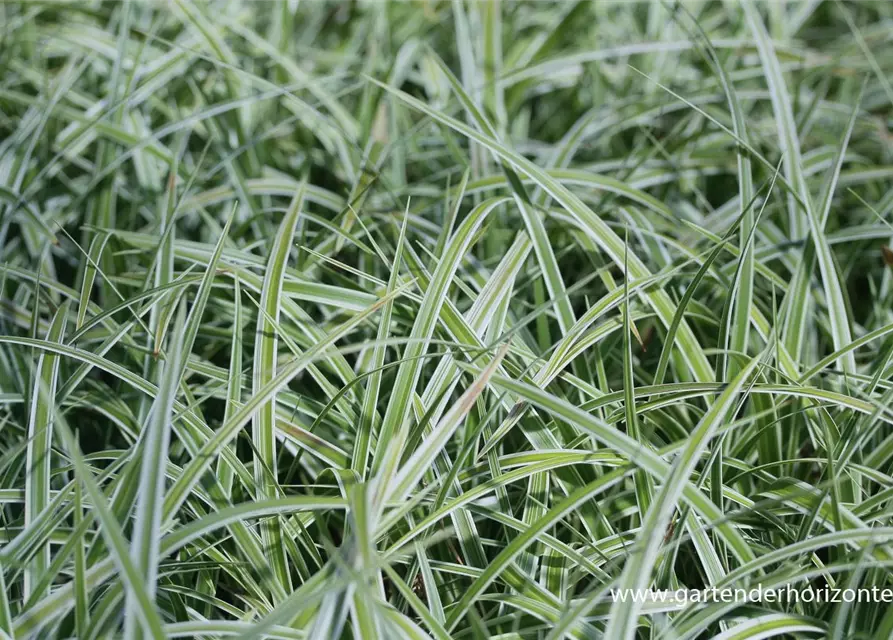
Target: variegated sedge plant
(444,319)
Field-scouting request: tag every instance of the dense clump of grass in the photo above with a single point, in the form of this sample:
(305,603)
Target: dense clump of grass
(367,320)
